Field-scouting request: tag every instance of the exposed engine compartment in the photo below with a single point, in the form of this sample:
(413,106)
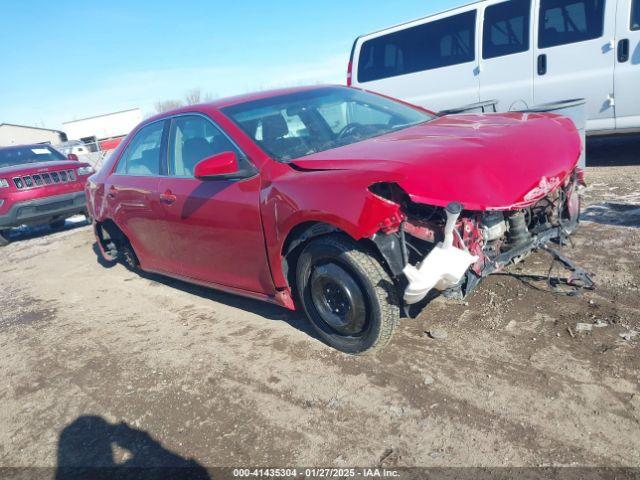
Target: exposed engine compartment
(493,238)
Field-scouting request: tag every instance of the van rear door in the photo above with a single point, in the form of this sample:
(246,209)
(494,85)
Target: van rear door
(506,54)
(627,70)
(432,63)
(575,56)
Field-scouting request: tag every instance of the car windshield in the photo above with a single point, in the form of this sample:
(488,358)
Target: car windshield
(299,124)
(13,156)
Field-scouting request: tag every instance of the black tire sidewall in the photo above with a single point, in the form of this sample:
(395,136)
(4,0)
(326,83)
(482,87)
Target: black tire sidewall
(4,240)
(319,251)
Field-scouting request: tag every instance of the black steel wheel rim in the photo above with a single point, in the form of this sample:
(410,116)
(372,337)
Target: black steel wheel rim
(338,299)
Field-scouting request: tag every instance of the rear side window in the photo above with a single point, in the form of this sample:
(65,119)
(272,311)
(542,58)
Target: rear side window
(563,21)
(450,41)
(506,28)
(635,15)
(142,155)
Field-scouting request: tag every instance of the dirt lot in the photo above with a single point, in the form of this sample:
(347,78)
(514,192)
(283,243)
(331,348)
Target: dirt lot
(197,374)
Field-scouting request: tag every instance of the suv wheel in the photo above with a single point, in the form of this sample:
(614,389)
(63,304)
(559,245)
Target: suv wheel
(347,295)
(57,224)
(4,239)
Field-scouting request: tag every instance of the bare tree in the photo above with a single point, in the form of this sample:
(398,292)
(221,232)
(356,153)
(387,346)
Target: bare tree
(193,96)
(164,105)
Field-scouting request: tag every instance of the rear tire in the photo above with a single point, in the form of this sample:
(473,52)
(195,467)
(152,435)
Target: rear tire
(4,239)
(349,298)
(128,257)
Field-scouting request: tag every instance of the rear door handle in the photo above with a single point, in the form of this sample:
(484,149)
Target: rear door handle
(542,64)
(168,198)
(623,50)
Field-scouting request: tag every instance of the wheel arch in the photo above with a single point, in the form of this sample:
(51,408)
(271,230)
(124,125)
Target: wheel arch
(303,233)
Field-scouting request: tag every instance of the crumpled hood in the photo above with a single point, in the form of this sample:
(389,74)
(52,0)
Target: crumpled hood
(495,161)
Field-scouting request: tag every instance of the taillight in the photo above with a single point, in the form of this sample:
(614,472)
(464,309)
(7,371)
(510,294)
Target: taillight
(580,177)
(349,73)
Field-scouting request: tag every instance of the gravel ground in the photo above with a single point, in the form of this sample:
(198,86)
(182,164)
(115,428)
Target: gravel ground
(103,366)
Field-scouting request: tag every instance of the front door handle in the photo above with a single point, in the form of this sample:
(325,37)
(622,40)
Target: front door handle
(623,50)
(542,64)
(112,192)
(168,198)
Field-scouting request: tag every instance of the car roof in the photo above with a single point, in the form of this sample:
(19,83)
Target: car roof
(221,103)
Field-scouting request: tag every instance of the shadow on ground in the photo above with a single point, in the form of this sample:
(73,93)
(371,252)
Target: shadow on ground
(614,150)
(27,233)
(91,447)
(264,309)
(611,213)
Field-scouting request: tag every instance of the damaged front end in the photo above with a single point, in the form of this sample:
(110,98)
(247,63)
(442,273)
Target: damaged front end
(449,250)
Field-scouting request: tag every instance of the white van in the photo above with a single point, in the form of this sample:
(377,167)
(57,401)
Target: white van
(519,52)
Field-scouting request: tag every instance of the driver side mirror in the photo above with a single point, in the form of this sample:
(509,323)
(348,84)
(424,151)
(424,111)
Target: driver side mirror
(222,166)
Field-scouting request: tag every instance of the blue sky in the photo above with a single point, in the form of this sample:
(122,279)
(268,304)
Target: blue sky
(63,60)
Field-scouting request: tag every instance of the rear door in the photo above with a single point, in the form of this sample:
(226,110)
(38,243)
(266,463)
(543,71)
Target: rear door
(432,64)
(627,70)
(132,196)
(575,56)
(214,227)
(506,54)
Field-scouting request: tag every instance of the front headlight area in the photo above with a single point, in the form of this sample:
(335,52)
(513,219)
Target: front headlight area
(88,170)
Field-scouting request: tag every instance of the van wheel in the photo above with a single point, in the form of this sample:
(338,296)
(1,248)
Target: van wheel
(348,297)
(4,239)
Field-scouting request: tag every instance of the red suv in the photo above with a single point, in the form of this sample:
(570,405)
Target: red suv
(39,185)
(341,202)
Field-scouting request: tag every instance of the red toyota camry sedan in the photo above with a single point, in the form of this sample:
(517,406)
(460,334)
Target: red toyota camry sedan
(340,202)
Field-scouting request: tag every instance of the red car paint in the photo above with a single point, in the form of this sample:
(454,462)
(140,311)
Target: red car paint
(231,235)
(56,200)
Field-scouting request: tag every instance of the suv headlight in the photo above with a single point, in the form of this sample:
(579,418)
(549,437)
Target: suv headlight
(86,170)
(4,183)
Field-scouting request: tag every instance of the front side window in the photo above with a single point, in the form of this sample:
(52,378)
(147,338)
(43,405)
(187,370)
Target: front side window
(506,28)
(563,22)
(441,43)
(192,139)
(142,155)
(303,123)
(12,156)
(635,15)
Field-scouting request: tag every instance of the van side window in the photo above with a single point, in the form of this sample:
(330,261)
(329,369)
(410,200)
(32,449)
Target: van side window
(635,15)
(571,21)
(506,28)
(441,43)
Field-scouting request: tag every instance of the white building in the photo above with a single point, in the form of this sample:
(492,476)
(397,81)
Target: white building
(103,127)
(11,134)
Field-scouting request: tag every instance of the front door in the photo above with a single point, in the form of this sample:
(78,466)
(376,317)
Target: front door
(214,226)
(506,55)
(627,71)
(575,56)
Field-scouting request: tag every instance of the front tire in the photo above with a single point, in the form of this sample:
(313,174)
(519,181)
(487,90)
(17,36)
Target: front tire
(4,239)
(349,298)
(57,224)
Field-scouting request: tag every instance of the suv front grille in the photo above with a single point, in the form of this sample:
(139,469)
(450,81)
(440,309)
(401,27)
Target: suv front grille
(44,179)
